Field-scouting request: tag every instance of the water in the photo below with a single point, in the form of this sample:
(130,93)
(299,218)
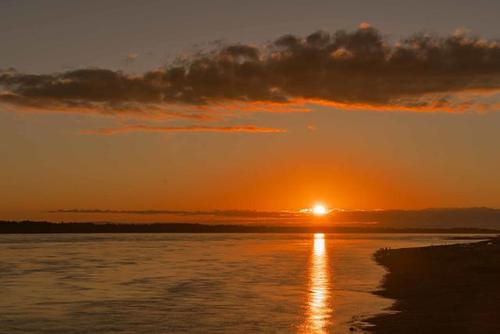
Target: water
(192,283)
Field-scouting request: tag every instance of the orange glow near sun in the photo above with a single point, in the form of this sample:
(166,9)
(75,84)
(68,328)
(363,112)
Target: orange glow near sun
(319,210)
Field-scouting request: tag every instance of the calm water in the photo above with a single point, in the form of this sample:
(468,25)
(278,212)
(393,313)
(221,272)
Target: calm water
(196,283)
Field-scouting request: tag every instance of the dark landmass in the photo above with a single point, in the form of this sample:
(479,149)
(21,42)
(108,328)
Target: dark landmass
(441,289)
(26,227)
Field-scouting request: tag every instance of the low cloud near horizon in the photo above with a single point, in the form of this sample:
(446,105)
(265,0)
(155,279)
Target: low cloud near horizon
(357,69)
(479,217)
(147,128)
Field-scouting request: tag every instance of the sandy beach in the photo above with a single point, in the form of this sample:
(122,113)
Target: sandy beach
(441,289)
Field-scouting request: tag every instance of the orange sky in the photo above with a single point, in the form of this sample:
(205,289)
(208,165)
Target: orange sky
(427,143)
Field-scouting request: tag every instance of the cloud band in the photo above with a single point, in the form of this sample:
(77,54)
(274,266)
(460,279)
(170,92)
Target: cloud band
(342,68)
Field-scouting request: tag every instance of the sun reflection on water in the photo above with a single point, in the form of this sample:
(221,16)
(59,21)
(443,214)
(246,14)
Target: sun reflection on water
(319,299)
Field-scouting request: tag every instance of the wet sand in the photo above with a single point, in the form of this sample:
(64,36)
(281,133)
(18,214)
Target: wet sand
(441,289)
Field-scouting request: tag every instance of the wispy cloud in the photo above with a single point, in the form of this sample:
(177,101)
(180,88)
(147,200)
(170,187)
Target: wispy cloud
(347,69)
(131,57)
(195,128)
(426,218)
(226,213)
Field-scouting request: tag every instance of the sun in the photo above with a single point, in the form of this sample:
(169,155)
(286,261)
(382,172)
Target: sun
(319,210)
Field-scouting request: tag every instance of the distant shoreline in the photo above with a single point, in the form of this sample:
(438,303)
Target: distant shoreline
(32,227)
(441,289)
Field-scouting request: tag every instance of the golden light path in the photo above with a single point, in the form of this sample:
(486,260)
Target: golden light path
(319,299)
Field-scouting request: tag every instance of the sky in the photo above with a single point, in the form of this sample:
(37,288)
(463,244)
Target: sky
(237,105)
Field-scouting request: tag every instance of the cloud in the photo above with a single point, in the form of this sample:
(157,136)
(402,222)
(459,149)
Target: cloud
(195,128)
(227,213)
(132,56)
(426,218)
(364,25)
(347,69)
(231,216)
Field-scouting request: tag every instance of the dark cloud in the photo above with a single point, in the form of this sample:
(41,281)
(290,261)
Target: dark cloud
(426,218)
(227,213)
(349,68)
(191,128)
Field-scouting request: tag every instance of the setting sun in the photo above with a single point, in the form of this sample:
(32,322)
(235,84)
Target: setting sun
(319,210)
